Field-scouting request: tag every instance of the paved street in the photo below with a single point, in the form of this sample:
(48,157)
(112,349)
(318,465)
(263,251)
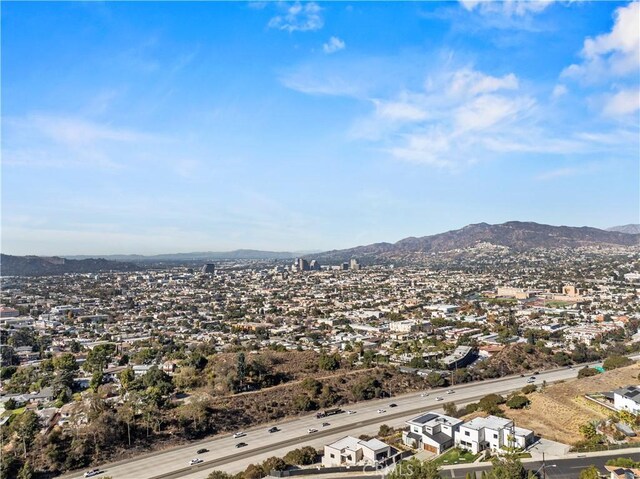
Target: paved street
(223,454)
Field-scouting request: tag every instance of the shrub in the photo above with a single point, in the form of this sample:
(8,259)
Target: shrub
(529,388)
(615,362)
(586,372)
(518,402)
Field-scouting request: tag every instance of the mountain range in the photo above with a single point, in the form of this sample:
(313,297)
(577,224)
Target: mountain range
(514,235)
(633,229)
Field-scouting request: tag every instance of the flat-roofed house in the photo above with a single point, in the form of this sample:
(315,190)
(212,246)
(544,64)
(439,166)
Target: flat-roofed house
(351,451)
(431,431)
(627,399)
(493,433)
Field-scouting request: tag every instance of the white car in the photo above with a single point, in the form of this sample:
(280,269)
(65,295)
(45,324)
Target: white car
(450,391)
(197,460)
(380,411)
(239,434)
(311,430)
(92,472)
(351,412)
(439,399)
(424,395)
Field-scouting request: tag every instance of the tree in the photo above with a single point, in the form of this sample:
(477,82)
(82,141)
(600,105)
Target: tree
(219,475)
(435,380)
(590,472)
(241,368)
(528,389)
(508,467)
(273,464)
(450,409)
(623,462)
(26,472)
(518,402)
(253,471)
(301,457)
(614,362)
(415,469)
(588,430)
(65,362)
(99,357)
(490,402)
(26,426)
(329,362)
(585,372)
(385,430)
(126,378)
(96,380)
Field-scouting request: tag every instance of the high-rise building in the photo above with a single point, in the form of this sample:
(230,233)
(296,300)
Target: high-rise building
(354,264)
(314,265)
(303,264)
(208,268)
(345,266)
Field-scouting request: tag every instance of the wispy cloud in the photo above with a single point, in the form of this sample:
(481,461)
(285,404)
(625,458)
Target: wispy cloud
(506,7)
(333,45)
(300,17)
(569,171)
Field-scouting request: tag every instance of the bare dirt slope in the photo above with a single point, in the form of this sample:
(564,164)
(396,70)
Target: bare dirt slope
(557,412)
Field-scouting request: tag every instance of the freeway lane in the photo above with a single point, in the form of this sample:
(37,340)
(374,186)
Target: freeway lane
(261,444)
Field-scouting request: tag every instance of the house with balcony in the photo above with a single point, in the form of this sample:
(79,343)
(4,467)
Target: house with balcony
(431,431)
(492,433)
(627,399)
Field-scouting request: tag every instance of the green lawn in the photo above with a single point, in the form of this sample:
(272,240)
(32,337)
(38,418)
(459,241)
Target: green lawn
(455,456)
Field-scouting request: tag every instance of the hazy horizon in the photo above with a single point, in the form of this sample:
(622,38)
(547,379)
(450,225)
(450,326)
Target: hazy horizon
(157,128)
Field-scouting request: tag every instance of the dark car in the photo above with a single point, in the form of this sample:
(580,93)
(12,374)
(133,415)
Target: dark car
(537,372)
(393,405)
(273,429)
(325,424)
(241,444)
(202,451)
(522,375)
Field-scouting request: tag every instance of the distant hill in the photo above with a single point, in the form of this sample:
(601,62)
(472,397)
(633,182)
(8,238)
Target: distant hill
(515,235)
(42,266)
(238,254)
(629,229)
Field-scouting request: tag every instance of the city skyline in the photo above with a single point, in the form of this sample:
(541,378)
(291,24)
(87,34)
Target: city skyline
(156,128)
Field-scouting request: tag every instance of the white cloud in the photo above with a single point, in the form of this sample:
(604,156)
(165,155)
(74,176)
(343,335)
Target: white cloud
(622,103)
(300,17)
(333,45)
(507,7)
(559,90)
(613,54)
(470,82)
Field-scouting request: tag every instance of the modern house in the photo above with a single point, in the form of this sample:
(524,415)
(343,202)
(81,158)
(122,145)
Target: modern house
(627,399)
(493,433)
(351,451)
(431,431)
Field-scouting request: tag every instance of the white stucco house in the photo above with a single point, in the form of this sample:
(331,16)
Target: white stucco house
(431,431)
(351,451)
(493,433)
(627,399)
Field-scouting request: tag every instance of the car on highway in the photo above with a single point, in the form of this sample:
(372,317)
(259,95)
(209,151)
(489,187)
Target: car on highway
(522,375)
(311,430)
(195,461)
(202,451)
(537,372)
(424,395)
(239,434)
(380,411)
(241,444)
(92,472)
(439,399)
(273,429)
(393,405)
(351,412)
(325,424)
(450,391)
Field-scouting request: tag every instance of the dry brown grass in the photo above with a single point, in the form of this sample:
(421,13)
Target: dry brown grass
(558,412)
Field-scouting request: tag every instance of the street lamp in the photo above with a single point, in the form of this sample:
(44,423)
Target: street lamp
(544,467)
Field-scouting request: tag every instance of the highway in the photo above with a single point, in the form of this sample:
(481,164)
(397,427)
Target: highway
(224,455)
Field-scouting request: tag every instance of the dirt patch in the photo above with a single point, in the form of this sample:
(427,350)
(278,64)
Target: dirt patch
(558,412)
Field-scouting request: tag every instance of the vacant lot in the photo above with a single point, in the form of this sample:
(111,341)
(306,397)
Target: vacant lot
(558,412)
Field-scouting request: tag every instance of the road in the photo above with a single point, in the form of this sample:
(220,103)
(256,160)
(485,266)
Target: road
(224,455)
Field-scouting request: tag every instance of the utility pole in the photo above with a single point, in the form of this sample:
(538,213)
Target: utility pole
(544,472)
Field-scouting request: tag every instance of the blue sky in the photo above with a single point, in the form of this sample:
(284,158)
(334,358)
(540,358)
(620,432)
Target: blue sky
(173,127)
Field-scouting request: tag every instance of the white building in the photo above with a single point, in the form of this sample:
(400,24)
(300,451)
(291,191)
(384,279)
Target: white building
(627,399)
(493,433)
(351,451)
(431,431)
